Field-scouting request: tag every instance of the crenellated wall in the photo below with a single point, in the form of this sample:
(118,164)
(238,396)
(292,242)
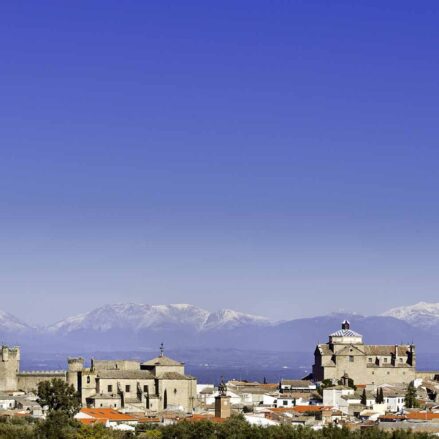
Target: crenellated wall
(28,381)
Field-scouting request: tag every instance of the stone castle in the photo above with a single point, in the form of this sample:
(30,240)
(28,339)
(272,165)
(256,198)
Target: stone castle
(154,385)
(11,379)
(346,356)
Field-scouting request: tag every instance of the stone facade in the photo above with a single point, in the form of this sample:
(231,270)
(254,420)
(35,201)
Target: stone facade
(345,355)
(28,381)
(11,379)
(155,385)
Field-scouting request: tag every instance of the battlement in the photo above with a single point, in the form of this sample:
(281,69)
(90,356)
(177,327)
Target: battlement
(10,353)
(75,364)
(42,373)
(75,360)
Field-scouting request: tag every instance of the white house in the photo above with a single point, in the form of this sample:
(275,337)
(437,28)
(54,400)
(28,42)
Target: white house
(7,402)
(332,395)
(395,402)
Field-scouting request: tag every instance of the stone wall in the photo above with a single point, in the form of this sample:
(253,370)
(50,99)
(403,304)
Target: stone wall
(180,392)
(115,365)
(28,381)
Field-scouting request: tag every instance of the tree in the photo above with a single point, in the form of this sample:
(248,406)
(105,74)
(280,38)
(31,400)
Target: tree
(57,395)
(58,425)
(351,384)
(380,396)
(410,397)
(364,397)
(324,385)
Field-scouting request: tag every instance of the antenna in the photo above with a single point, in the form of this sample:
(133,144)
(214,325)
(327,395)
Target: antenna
(162,348)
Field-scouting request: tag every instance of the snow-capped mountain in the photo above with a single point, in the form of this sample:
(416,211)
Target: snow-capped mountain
(10,323)
(139,317)
(141,327)
(228,319)
(421,315)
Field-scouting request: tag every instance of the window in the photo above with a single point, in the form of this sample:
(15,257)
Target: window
(351,358)
(285,403)
(400,360)
(370,360)
(127,388)
(145,388)
(88,379)
(110,388)
(175,391)
(385,360)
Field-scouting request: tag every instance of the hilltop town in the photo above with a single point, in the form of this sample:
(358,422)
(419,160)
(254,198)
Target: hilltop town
(352,384)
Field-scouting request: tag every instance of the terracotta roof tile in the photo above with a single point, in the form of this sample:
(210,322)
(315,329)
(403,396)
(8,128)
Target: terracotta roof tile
(107,414)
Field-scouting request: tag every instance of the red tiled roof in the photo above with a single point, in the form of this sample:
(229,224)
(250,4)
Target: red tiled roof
(425,416)
(392,418)
(198,418)
(107,414)
(91,421)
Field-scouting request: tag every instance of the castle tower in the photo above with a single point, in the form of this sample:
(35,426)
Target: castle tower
(9,368)
(74,372)
(412,355)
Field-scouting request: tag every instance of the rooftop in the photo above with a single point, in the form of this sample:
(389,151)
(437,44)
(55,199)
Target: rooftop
(174,376)
(297,383)
(105,414)
(345,333)
(162,360)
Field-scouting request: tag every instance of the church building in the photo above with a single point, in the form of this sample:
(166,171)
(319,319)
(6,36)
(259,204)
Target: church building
(346,356)
(153,386)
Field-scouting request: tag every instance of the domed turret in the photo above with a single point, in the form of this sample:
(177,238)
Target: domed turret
(345,335)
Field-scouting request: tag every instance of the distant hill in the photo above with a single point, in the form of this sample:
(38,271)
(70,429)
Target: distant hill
(421,315)
(144,327)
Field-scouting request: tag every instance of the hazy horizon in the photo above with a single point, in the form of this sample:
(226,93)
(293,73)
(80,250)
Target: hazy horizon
(276,158)
(61,316)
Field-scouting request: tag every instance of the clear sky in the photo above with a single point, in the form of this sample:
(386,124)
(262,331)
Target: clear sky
(275,157)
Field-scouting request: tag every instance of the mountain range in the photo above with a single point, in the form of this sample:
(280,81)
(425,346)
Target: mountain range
(140,326)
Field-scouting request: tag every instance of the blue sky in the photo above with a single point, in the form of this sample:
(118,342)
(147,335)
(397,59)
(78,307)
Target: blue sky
(275,157)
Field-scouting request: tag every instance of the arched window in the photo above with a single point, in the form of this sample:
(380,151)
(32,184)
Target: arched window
(165,400)
(88,379)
